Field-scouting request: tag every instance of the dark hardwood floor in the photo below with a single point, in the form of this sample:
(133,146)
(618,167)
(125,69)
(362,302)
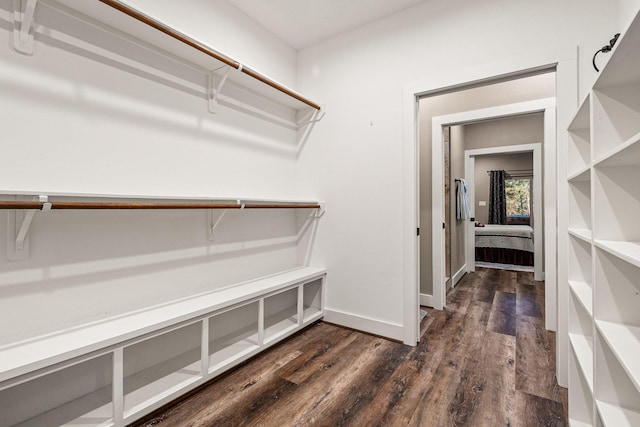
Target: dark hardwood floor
(485,360)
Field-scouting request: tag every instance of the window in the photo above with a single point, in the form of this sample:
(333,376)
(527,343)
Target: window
(518,192)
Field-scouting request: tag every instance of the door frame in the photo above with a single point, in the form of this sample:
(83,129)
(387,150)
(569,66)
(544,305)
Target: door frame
(469,166)
(565,61)
(545,106)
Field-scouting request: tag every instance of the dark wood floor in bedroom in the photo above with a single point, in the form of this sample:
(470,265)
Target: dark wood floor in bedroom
(484,361)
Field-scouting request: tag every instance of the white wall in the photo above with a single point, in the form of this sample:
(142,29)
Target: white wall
(78,119)
(354,158)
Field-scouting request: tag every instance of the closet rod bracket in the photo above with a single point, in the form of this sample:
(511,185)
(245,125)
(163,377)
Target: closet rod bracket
(23,13)
(18,224)
(319,213)
(214,222)
(316,116)
(214,88)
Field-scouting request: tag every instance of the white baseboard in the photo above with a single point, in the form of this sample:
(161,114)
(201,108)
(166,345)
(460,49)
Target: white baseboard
(365,324)
(426,300)
(458,275)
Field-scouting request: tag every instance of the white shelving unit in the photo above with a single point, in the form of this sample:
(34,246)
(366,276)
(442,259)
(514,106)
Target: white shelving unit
(135,33)
(604,245)
(125,367)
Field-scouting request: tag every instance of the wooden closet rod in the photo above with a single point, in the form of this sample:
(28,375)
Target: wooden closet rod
(150,205)
(206,50)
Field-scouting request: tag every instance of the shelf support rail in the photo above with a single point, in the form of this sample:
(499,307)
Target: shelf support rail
(24,10)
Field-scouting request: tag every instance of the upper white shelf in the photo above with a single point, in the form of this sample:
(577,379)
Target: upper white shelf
(154,197)
(581,121)
(579,147)
(623,67)
(122,18)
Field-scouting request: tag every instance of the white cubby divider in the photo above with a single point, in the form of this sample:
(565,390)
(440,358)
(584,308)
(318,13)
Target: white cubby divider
(122,368)
(580,203)
(579,148)
(603,259)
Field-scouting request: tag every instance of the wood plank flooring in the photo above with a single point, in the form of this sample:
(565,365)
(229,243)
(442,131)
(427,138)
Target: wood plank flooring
(485,360)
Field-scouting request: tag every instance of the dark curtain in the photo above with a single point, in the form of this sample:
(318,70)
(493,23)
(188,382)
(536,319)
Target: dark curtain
(497,198)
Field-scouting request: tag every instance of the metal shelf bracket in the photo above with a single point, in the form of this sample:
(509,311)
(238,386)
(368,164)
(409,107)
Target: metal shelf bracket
(215,89)
(23,12)
(214,222)
(18,224)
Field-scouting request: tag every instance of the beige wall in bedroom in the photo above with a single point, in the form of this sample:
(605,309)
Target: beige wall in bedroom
(483,164)
(496,133)
(519,130)
(457,147)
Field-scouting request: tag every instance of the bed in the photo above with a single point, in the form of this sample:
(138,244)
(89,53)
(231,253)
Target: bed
(505,244)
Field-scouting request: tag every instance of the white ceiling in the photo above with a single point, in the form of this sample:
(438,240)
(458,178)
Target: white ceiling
(301,23)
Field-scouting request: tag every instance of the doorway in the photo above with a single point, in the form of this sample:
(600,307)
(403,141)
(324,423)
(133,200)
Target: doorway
(565,63)
(536,218)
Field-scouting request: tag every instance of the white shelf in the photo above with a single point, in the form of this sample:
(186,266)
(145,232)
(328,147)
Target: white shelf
(581,233)
(615,416)
(580,393)
(104,18)
(584,294)
(624,341)
(101,416)
(232,350)
(627,251)
(580,175)
(626,154)
(579,147)
(244,198)
(22,358)
(278,327)
(78,395)
(233,335)
(583,350)
(580,203)
(311,315)
(623,67)
(147,395)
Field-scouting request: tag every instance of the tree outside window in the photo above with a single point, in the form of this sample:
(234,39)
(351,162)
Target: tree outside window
(518,193)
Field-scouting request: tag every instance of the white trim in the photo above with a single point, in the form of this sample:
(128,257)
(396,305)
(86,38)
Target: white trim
(458,276)
(426,300)
(411,220)
(366,324)
(550,275)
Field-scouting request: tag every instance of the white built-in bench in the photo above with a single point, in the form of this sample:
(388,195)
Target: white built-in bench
(137,362)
